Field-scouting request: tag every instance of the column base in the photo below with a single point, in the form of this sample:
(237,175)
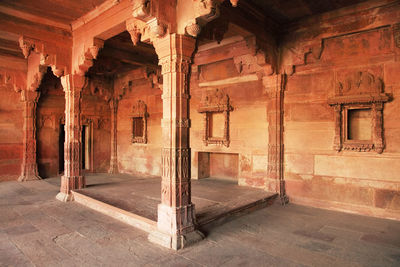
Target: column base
(65,197)
(24,178)
(175,241)
(113,170)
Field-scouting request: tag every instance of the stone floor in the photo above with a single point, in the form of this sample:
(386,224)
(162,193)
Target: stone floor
(38,230)
(213,198)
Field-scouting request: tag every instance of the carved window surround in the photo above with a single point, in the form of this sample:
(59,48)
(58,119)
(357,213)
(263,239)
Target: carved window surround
(139,113)
(212,103)
(361,91)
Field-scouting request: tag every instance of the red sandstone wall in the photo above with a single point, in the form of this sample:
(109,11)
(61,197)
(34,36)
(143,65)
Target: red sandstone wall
(136,158)
(215,68)
(51,108)
(315,174)
(11,122)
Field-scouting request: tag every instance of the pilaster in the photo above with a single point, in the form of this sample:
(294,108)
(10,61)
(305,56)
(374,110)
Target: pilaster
(176,213)
(275,87)
(29,170)
(73,177)
(114,159)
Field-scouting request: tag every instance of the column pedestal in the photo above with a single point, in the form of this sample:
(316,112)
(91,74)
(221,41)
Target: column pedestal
(167,220)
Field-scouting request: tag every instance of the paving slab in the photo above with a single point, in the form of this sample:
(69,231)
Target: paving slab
(46,232)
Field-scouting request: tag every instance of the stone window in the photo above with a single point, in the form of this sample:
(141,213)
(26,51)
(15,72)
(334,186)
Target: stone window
(359,124)
(139,122)
(138,129)
(358,105)
(216,108)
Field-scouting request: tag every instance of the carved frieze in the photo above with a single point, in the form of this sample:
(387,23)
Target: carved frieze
(359,91)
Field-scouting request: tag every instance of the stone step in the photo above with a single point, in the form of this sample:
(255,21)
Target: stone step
(228,215)
(134,220)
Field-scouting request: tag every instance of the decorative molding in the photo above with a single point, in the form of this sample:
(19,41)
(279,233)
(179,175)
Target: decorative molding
(139,110)
(359,90)
(212,102)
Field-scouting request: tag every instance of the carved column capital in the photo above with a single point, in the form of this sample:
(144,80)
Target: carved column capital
(74,82)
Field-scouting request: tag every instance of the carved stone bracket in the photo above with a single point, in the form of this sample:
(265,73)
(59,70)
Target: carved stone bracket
(85,59)
(215,102)
(360,90)
(50,54)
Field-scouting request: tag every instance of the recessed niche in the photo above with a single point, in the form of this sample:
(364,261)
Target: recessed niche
(359,124)
(137,126)
(216,124)
(218,165)
(139,122)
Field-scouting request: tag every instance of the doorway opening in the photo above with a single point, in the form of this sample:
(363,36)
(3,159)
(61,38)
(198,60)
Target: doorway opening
(86,144)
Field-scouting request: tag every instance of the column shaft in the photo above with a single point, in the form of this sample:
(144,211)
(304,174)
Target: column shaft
(29,170)
(113,158)
(73,177)
(176,213)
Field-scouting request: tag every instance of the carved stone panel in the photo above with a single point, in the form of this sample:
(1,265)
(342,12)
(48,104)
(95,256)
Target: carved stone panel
(214,103)
(359,99)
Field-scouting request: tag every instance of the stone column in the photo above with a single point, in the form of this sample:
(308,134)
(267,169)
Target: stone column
(72,178)
(29,170)
(113,160)
(176,213)
(275,86)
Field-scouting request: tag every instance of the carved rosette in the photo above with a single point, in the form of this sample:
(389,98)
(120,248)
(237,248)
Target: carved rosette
(29,169)
(359,90)
(193,29)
